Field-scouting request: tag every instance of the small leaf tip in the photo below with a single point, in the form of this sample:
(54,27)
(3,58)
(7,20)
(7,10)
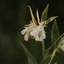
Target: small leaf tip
(47,4)
(29,6)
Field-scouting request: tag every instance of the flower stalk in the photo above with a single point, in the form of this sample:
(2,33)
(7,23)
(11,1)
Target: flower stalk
(43,49)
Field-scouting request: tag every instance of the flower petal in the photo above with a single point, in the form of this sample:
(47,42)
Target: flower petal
(23,31)
(38,30)
(32,33)
(37,38)
(26,37)
(40,39)
(43,35)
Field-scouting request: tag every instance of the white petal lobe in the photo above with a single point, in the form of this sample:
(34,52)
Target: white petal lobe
(26,37)
(37,38)
(23,31)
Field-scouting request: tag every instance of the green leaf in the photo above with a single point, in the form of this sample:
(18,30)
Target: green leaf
(44,14)
(55,63)
(58,45)
(31,59)
(54,32)
(46,60)
(50,19)
(46,52)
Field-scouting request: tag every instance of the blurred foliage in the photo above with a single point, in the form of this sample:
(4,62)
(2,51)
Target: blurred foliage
(14,14)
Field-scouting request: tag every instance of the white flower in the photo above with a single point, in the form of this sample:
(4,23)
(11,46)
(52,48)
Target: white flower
(38,32)
(29,27)
(27,30)
(35,31)
(37,38)
(26,37)
(43,35)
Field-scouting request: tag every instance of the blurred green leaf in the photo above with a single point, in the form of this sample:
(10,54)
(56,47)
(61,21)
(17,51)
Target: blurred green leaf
(58,45)
(46,60)
(44,14)
(55,63)
(50,19)
(46,52)
(54,32)
(31,59)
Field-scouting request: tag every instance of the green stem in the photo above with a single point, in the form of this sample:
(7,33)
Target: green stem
(43,49)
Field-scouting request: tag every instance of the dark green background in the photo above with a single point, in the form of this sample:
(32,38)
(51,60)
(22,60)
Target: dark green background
(14,15)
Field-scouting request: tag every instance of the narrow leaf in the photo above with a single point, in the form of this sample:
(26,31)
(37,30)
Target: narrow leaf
(38,16)
(44,14)
(33,19)
(46,60)
(54,52)
(50,19)
(54,32)
(55,63)
(46,52)
(31,13)
(31,59)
